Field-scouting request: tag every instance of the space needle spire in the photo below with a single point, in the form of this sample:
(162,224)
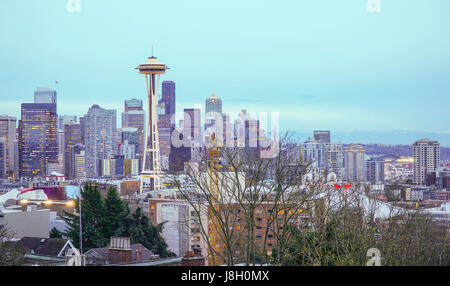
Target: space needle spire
(151,173)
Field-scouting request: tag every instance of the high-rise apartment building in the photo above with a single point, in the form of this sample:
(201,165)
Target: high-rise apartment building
(72,137)
(334,160)
(127,150)
(44,95)
(129,142)
(192,126)
(38,141)
(165,127)
(322,135)
(134,117)
(427,156)
(354,163)
(8,132)
(228,130)
(313,152)
(2,157)
(252,133)
(78,161)
(168,97)
(100,135)
(374,171)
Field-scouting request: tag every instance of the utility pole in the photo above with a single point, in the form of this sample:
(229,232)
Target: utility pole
(81,227)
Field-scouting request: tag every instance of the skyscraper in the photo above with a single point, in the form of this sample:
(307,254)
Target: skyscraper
(313,153)
(354,163)
(166,120)
(37,138)
(165,127)
(334,160)
(134,117)
(100,137)
(374,171)
(78,161)
(151,163)
(8,132)
(133,105)
(44,95)
(228,131)
(252,133)
(64,119)
(213,104)
(2,157)
(322,135)
(129,139)
(179,155)
(213,118)
(168,96)
(427,156)
(72,136)
(192,126)
(82,127)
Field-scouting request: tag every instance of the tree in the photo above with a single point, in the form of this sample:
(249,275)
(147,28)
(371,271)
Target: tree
(92,210)
(243,206)
(11,252)
(114,207)
(138,227)
(403,238)
(55,233)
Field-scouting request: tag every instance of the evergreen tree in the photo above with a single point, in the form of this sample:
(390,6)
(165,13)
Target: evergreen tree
(138,227)
(92,211)
(114,207)
(55,233)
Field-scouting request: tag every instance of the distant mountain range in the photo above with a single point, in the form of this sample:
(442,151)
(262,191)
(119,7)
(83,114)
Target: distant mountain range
(392,137)
(395,142)
(399,150)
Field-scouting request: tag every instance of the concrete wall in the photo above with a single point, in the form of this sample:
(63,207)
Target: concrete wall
(176,230)
(35,223)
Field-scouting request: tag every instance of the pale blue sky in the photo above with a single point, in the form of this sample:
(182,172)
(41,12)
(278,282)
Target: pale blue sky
(323,64)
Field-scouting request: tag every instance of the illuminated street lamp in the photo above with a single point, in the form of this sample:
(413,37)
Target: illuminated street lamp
(70,203)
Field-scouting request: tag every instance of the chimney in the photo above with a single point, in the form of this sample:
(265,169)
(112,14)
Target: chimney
(139,254)
(197,252)
(120,250)
(193,258)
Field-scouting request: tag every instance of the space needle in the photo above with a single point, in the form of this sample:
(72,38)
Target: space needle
(151,173)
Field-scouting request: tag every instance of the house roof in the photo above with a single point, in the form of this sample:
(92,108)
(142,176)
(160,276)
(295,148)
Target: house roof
(103,253)
(44,246)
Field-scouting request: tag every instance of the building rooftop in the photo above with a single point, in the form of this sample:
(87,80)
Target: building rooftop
(45,246)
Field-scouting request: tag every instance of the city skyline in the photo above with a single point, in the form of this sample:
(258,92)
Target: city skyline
(392,75)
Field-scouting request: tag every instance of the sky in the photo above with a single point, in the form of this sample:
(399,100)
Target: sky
(322,64)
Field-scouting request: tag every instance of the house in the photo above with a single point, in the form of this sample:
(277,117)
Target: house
(45,251)
(120,251)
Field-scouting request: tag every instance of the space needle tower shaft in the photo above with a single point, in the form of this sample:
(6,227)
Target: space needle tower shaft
(151,173)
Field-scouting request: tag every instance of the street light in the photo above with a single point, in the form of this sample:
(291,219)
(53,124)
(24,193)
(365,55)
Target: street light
(47,202)
(81,227)
(69,203)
